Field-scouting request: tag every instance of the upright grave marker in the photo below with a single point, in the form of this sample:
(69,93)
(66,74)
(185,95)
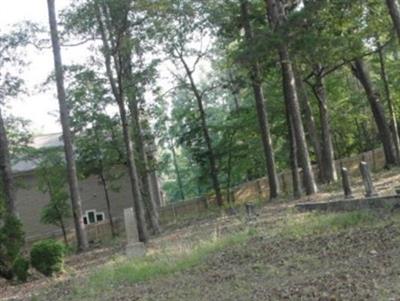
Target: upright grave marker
(367,180)
(134,247)
(348,194)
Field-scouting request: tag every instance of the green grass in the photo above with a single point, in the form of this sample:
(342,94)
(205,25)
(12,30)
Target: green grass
(315,223)
(126,272)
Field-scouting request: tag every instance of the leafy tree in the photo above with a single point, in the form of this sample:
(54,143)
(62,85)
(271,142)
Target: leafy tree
(52,180)
(99,145)
(11,49)
(11,232)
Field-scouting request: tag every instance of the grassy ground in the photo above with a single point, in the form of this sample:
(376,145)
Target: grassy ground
(343,256)
(282,255)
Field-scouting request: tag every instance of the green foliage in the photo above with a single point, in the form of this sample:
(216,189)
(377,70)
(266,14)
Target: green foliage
(52,179)
(19,136)
(20,268)
(47,256)
(11,242)
(209,36)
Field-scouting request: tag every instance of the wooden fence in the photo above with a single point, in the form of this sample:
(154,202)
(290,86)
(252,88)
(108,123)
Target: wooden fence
(249,191)
(259,189)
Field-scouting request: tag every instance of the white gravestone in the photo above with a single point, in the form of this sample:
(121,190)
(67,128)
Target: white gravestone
(134,247)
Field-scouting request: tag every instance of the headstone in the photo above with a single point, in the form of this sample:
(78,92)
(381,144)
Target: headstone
(134,247)
(250,211)
(367,180)
(204,201)
(348,194)
(231,210)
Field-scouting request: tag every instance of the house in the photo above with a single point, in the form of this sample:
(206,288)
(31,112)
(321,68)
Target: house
(30,200)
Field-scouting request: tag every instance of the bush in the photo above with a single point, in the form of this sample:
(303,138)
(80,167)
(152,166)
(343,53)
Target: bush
(11,241)
(47,256)
(20,268)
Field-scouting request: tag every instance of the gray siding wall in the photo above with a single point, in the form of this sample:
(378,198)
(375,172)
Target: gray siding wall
(30,202)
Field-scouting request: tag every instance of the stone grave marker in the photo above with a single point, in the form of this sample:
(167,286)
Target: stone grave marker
(348,194)
(367,180)
(134,247)
(250,211)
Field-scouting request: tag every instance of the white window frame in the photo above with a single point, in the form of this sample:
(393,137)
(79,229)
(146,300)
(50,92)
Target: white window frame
(87,216)
(95,212)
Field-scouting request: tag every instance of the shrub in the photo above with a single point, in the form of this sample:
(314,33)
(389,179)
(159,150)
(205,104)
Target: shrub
(11,241)
(20,268)
(47,256)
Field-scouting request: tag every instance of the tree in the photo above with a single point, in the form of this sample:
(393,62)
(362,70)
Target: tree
(6,172)
(361,73)
(327,166)
(99,147)
(120,56)
(385,80)
(394,12)
(11,231)
(135,96)
(181,28)
(262,116)
(81,235)
(52,180)
(277,17)
(10,86)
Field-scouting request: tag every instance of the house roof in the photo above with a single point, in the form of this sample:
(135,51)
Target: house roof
(48,140)
(40,141)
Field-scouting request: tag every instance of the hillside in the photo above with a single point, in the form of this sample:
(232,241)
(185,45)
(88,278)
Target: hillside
(281,255)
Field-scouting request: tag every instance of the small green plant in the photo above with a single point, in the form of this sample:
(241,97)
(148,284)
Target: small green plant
(47,256)
(11,241)
(20,268)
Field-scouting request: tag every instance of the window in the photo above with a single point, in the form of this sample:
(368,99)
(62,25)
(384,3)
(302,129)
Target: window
(93,217)
(100,217)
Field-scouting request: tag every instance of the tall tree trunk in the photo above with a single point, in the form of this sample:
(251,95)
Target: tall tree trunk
(393,120)
(6,171)
(206,134)
(328,167)
(234,89)
(153,178)
(64,231)
(108,203)
(81,235)
(262,116)
(155,187)
(177,171)
(229,168)
(117,91)
(276,16)
(361,142)
(360,72)
(394,12)
(296,182)
(142,163)
(311,129)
